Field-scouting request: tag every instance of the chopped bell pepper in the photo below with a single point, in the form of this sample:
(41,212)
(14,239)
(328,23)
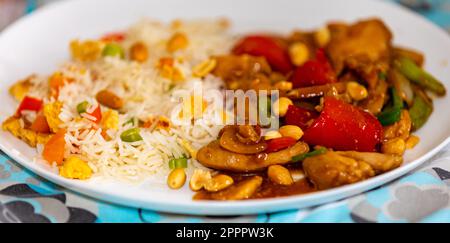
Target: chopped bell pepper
(342,126)
(276,55)
(29,104)
(278,144)
(299,116)
(314,72)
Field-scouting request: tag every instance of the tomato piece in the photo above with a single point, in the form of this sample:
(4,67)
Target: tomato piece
(40,124)
(342,126)
(299,116)
(54,148)
(278,144)
(29,104)
(114,37)
(275,54)
(314,72)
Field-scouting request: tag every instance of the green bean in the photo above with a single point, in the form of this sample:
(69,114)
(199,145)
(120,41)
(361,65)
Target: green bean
(417,75)
(391,114)
(316,152)
(420,110)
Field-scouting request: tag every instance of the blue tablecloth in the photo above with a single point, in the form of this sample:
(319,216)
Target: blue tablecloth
(422,196)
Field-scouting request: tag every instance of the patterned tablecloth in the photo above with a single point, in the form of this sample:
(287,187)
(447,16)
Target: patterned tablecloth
(421,196)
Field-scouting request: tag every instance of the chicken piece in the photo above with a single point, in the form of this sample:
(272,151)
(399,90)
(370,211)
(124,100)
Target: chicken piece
(32,138)
(363,47)
(75,168)
(243,72)
(216,157)
(51,113)
(377,98)
(20,89)
(334,169)
(242,190)
(400,129)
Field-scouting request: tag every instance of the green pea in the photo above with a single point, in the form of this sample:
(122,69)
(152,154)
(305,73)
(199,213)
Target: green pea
(113,50)
(131,135)
(82,107)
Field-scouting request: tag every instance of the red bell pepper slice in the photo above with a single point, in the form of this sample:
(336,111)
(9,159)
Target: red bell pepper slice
(342,126)
(314,72)
(299,116)
(275,54)
(278,144)
(97,113)
(114,37)
(29,104)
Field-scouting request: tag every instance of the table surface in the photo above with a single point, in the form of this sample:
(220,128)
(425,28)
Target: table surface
(421,196)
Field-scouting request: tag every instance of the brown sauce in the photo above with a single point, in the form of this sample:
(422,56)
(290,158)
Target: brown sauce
(268,189)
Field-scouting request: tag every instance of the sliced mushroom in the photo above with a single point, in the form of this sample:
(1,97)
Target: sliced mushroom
(231,141)
(216,157)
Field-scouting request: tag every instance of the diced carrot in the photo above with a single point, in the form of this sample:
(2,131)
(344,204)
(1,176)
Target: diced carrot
(40,124)
(56,82)
(54,148)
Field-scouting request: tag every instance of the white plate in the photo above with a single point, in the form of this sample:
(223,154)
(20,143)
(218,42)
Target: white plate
(38,43)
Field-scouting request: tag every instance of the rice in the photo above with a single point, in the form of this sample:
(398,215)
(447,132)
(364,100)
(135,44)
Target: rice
(147,95)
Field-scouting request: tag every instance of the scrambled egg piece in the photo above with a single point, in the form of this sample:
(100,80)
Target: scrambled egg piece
(110,120)
(75,168)
(51,113)
(88,50)
(32,138)
(20,89)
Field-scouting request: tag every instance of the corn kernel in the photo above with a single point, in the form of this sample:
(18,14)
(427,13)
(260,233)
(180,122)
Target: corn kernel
(356,91)
(283,85)
(204,68)
(412,141)
(178,41)
(272,135)
(281,106)
(292,131)
(299,53)
(322,36)
(394,146)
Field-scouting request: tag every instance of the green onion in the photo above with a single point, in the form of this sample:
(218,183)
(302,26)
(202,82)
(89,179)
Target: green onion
(419,76)
(382,75)
(316,152)
(82,107)
(392,114)
(178,163)
(131,135)
(113,50)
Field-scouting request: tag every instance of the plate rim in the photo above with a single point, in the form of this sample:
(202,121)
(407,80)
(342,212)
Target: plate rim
(226,208)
